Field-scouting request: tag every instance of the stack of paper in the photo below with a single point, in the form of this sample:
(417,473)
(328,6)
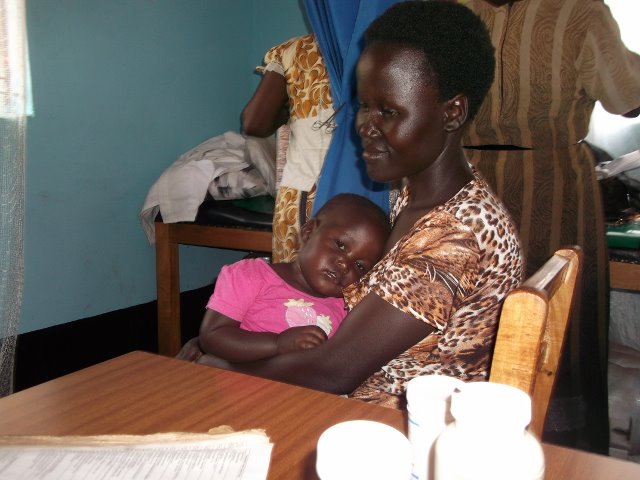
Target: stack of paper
(183,456)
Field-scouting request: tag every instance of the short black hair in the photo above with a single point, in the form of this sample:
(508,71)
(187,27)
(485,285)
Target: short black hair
(459,56)
(350,200)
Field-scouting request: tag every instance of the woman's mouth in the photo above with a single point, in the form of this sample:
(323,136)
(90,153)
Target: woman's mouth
(373,154)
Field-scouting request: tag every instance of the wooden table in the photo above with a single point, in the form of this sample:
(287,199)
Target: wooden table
(624,275)
(142,393)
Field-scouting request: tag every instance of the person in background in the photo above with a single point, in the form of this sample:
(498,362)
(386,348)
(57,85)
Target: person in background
(259,310)
(431,305)
(554,60)
(294,91)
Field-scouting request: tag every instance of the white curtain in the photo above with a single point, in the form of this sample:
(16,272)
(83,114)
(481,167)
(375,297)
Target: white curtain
(14,88)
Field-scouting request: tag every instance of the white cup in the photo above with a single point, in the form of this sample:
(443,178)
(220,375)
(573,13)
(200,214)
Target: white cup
(360,449)
(428,405)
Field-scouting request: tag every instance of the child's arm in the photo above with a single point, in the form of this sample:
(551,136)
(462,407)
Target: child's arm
(190,351)
(223,337)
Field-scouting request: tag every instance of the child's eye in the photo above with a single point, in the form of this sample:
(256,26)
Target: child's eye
(360,266)
(340,244)
(388,111)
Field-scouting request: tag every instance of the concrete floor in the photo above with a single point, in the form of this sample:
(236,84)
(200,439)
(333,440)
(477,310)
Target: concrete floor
(624,375)
(624,402)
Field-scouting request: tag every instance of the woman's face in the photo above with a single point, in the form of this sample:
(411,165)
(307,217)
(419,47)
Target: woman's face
(400,120)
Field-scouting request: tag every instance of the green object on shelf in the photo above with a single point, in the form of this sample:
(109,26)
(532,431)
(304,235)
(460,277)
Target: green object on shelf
(626,235)
(262,203)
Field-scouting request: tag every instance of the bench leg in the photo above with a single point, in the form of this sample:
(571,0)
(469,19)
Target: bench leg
(168,291)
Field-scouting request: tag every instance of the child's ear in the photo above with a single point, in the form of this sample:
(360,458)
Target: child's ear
(307,229)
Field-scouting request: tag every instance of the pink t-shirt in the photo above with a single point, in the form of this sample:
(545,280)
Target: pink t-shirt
(251,292)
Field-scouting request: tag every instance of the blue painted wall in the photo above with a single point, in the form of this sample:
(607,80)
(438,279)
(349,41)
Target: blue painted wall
(121,89)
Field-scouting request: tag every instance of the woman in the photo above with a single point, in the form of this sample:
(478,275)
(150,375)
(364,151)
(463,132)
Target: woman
(294,90)
(555,59)
(431,304)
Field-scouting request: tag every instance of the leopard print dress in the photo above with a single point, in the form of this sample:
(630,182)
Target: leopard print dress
(451,270)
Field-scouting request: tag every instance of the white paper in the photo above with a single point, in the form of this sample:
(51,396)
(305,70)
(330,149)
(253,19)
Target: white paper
(241,458)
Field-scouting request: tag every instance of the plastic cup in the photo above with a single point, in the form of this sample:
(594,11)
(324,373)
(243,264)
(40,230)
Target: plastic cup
(360,449)
(428,406)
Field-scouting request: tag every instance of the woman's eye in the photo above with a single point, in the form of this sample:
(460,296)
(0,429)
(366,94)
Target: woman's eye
(388,111)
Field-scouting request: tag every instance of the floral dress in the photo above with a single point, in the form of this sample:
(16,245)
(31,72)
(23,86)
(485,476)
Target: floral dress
(303,142)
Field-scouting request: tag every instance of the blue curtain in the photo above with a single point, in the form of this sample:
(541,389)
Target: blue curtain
(339,26)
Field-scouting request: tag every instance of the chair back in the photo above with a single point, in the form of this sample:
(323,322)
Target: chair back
(532,328)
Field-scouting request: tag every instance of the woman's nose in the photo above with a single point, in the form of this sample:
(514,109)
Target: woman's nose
(367,128)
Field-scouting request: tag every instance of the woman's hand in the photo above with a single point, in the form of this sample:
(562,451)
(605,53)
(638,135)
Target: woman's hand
(300,338)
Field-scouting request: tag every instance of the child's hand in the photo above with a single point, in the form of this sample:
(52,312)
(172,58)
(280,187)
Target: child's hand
(190,351)
(300,338)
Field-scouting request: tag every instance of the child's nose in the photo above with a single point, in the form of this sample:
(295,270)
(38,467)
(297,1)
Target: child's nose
(342,264)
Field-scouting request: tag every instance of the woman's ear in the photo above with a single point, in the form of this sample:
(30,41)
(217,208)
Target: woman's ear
(307,229)
(456,112)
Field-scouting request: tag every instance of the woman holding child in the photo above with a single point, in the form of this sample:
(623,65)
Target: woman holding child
(431,304)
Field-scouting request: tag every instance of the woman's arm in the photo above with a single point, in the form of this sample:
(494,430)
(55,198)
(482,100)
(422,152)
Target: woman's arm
(372,334)
(268,109)
(223,337)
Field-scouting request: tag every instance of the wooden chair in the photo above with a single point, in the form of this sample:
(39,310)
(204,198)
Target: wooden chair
(209,230)
(227,228)
(533,324)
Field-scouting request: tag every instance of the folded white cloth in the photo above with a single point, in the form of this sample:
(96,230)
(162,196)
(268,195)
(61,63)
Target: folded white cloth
(624,163)
(228,166)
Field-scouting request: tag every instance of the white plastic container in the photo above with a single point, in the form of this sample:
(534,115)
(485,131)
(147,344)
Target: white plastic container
(363,449)
(488,439)
(428,405)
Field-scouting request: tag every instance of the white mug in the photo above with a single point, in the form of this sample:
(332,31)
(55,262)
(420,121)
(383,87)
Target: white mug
(360,449)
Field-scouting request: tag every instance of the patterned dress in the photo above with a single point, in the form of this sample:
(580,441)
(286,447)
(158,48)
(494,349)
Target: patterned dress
(306,140)
(451,270)
(554,59)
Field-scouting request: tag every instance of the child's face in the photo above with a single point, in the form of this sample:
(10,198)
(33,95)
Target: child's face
(337,252)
